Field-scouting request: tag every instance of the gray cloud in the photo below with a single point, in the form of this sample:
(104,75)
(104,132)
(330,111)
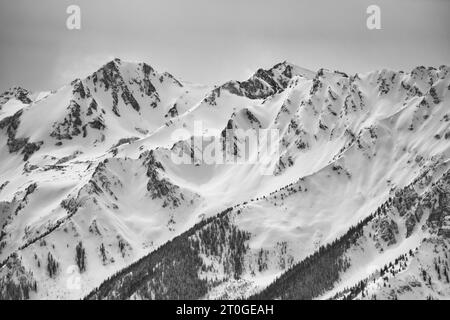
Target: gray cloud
(211,41)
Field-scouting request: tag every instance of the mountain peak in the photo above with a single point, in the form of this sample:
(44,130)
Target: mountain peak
(266,82)
(115,61)
(293,69)
(88,174)
(286,69)
(16,92)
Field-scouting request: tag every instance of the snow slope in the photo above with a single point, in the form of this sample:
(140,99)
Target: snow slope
(90,190)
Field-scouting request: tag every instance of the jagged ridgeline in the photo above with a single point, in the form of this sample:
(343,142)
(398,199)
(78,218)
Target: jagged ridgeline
(91,186)
(172,271)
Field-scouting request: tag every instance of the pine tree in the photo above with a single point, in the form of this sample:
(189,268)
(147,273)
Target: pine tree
(52,265)
(80,257)
(103,253)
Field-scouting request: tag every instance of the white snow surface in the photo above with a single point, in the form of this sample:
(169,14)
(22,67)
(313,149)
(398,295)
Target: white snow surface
(346,144)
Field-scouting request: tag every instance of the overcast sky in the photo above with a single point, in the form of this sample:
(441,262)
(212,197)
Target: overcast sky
(212,41)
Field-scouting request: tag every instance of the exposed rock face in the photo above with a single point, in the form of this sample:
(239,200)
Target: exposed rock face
(388,230)
(98,123)
(410,223)
(263,83)
(253,119)
(109,75)
(72,124)
(157,186)
(11,124)
(148,87)
(18,93)
(78,89)
(173,112)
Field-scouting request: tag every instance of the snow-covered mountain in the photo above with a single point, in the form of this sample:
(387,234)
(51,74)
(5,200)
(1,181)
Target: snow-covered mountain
(355,205)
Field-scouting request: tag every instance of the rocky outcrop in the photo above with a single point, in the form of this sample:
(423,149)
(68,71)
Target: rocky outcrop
(263,83)
(17,93)
(157,186)
(71,126)
(27,148)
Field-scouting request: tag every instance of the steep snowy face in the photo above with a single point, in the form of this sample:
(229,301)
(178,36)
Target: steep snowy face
(347,145)
(387,255)
(92,187)
(118,103)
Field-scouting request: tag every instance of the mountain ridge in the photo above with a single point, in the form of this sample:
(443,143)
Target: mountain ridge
(347,144)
